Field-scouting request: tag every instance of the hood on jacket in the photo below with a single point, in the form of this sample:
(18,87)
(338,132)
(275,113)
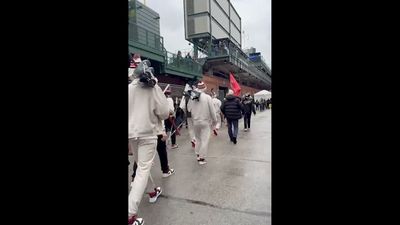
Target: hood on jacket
(230,97)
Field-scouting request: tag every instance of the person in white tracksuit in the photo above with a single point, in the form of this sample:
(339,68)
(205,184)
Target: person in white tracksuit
(204,117)
(147,106)
(217,106)
(189,125)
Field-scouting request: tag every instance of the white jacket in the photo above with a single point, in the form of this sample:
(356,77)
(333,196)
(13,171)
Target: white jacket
(202,110)
(146,108)
(217,105)
(171,105)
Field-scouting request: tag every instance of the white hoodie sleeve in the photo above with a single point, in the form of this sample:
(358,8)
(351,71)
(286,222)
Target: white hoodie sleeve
(161,107)
(189,105)
(211,106)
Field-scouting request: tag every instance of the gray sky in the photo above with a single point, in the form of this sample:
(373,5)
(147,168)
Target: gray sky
(256,23)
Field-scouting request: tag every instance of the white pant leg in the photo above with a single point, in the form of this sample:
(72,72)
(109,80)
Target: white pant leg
(218,125)
(144,151)
(197,133)
(202,134)
(191,128)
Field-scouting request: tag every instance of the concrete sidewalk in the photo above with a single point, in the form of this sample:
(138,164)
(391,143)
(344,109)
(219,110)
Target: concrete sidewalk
(234,187)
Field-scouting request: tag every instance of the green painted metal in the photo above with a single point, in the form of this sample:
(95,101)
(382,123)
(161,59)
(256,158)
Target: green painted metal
(151,46)
(180,66)
(140,35)
(239,58)
(145,52)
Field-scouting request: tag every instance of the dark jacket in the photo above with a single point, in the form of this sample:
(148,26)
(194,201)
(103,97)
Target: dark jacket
(249,106)
(179,116)
(232,108)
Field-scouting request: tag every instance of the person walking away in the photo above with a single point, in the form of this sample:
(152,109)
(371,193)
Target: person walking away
(170,125)
(262,104)
(257,105)
(147,105)
(249,107)
(162,153)
(217,106)
(270,103)
(188,115)
(179,118)
(232,110)
(204,117)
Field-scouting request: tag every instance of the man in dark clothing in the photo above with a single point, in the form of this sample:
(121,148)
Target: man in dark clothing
(249,107)
(232,110)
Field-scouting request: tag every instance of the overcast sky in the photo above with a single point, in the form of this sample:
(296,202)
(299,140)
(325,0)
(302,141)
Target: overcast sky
(256,23)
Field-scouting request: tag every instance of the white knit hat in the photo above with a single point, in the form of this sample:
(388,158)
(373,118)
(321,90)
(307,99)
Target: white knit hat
(201,85)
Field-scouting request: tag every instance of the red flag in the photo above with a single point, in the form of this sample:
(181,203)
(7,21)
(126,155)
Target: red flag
(234,85)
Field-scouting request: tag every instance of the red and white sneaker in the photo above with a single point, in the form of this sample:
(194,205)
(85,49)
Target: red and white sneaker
(154,195)
(133,220)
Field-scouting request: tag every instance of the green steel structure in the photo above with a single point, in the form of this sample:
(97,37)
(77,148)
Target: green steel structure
(208,24)
(145,39)
(214,27)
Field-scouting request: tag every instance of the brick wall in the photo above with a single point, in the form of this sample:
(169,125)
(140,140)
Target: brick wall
(214,82)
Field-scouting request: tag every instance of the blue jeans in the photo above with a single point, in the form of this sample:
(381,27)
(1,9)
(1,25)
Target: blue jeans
(233,128)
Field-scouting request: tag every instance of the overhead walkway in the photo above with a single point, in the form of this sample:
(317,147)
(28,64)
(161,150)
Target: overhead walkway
(229,58)
(151,46)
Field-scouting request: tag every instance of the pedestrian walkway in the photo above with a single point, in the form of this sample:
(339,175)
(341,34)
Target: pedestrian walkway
(234,187)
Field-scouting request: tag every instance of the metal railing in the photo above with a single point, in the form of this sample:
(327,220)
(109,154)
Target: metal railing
(239,58)
(145,38)
(181,64)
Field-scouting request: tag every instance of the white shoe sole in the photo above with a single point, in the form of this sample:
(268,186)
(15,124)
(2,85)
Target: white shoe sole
(153,200)
(165,175)
(202,162)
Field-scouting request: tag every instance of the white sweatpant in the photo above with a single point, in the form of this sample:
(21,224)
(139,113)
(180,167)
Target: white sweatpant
(202,133)
(218,125)
(144,151)
(191,129)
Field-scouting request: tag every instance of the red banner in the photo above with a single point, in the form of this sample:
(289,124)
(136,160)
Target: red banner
(234,85)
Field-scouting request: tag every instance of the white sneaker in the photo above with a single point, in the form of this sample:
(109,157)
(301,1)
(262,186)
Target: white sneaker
(198,157)
(245,129)
(170,172)
(154,195)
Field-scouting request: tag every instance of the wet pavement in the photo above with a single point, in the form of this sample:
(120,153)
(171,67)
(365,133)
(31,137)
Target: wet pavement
(234,187)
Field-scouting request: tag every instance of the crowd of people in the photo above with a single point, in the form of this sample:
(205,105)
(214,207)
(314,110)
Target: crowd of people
(154,119)
(263,104)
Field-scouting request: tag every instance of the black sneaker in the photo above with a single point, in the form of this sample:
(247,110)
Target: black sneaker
(169,173)
(202,161)
(234,141)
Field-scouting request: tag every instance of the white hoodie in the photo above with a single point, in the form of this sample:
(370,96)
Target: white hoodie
(202,110)
(146,108)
